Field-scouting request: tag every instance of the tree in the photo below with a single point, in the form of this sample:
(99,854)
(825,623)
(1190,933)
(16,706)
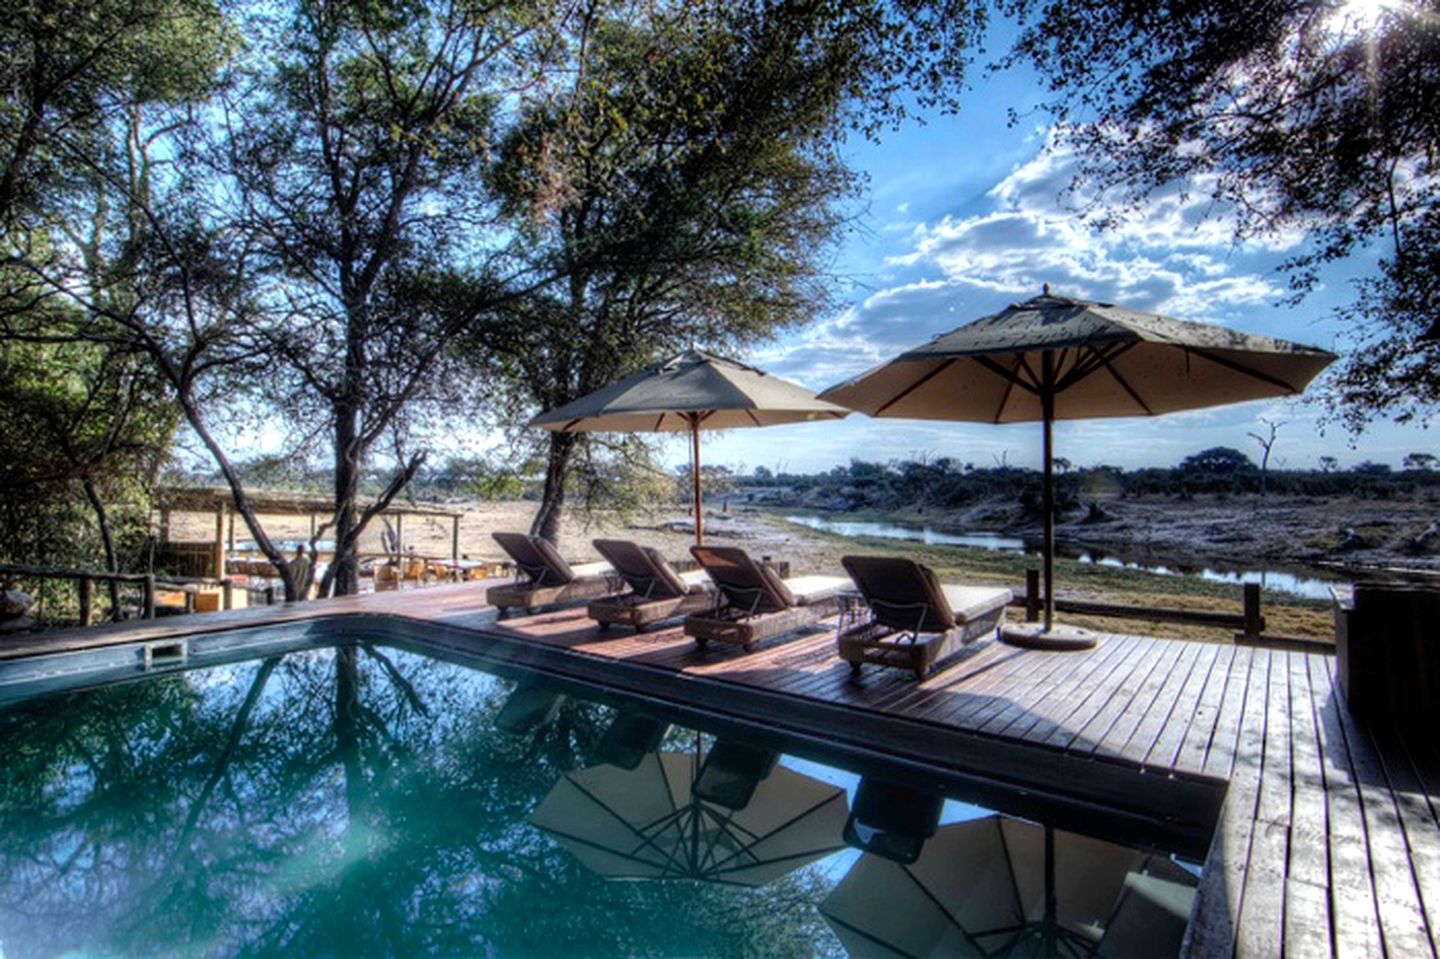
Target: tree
(1329,464)
(1266,442)
(1313,115)
(1420,461)
(1222,460)
(683,190)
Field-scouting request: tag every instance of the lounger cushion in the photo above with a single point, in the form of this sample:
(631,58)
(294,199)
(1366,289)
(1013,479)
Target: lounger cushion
(973,602)
(696,581)
(556,562)
(808,590)
(661,569)
(587,570)
(784,596)
(746,584)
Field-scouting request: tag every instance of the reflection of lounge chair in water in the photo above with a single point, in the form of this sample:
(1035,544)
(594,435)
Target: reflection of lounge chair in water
(758,604)
(915,620)
(529,706)
(657,591)
(630,738)
(543,578)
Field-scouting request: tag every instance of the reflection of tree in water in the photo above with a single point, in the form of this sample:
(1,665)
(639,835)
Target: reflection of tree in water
(347,802)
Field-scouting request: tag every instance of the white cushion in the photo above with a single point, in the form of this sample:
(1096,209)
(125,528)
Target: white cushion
(584,570)
(972,602)
(813,589)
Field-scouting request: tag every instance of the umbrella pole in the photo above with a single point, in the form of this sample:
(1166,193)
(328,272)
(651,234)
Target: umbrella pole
(695,476)
(1047,408)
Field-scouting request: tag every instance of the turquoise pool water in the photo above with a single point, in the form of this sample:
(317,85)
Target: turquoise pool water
(368,801)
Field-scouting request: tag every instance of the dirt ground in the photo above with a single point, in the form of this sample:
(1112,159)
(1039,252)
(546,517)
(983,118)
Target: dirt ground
(810,551)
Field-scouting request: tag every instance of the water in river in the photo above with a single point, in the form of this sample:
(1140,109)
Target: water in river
(1271,579)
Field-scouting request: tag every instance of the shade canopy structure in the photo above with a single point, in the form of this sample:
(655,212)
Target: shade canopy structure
(1056,358)
(690,392)
(998,886)
(650,823)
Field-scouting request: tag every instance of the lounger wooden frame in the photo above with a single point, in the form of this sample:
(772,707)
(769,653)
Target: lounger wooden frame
(730,624)
(542,579)
(870,642)
(657,590)
(754,603)
(907,622)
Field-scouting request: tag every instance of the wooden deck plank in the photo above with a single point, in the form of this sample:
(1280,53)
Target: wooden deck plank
(1057,697)
(1392,867)
(1064,734)
(1307,903)
(1352,893)
(1200,728)
(1261,930)
(1023,692)
(1224,736)
(1156,740)
(1417,819)
(1214,924)
(1149,701)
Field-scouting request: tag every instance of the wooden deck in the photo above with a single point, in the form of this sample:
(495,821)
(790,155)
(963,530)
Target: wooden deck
(1327,840)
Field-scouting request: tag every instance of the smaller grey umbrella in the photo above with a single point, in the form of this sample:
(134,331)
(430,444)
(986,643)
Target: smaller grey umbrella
(690,391)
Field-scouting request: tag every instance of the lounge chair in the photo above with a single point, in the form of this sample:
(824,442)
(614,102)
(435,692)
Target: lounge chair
(657,591)
(755,603)
(543,578)
(915,621)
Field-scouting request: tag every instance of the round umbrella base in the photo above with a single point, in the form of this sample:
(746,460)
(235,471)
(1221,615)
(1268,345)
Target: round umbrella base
(1036,636)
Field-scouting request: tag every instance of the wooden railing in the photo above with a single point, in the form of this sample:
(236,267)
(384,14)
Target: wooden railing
(150,584)
(1248,623)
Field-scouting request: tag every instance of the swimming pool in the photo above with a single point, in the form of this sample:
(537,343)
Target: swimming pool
(280,792)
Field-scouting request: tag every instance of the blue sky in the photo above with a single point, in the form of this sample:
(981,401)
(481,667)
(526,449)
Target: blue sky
(965,215)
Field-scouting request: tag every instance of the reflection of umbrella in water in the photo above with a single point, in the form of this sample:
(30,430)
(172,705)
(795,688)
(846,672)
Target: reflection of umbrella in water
(690,391)
(1054,358)
(980,889)
(652,822)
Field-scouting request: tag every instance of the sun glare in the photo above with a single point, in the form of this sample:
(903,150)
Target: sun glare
(1363,16)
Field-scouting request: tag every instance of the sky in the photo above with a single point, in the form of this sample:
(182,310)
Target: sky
(966,214)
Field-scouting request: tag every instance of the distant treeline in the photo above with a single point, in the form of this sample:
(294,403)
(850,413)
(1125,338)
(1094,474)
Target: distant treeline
(946,483)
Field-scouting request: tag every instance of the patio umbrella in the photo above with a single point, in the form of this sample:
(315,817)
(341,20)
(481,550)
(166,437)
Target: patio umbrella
(998,886)
(690,391)
(649,822)
(1053,357)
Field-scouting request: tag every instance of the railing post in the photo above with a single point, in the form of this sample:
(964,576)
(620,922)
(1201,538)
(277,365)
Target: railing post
(149,596)
(1032,595)
(227,594)
(87,599)
(1254,622)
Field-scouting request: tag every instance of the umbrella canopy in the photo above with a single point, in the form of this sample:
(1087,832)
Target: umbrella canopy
(690,391)
(990,887)
(647,823)
(1053,357)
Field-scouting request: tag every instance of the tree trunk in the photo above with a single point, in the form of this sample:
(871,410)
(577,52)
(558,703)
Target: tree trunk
(102,519)
(552,497)
(345,566)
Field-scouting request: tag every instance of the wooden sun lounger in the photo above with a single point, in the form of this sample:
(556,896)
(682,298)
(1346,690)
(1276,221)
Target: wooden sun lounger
(915,621)
(657,591)
(755,603)
(543,578)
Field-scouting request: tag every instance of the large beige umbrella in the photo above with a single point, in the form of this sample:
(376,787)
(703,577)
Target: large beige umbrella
(650,822)
(690,391)
(1053,357)
(998,886)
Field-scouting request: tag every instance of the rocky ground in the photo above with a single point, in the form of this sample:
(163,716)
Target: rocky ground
(1240,530)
